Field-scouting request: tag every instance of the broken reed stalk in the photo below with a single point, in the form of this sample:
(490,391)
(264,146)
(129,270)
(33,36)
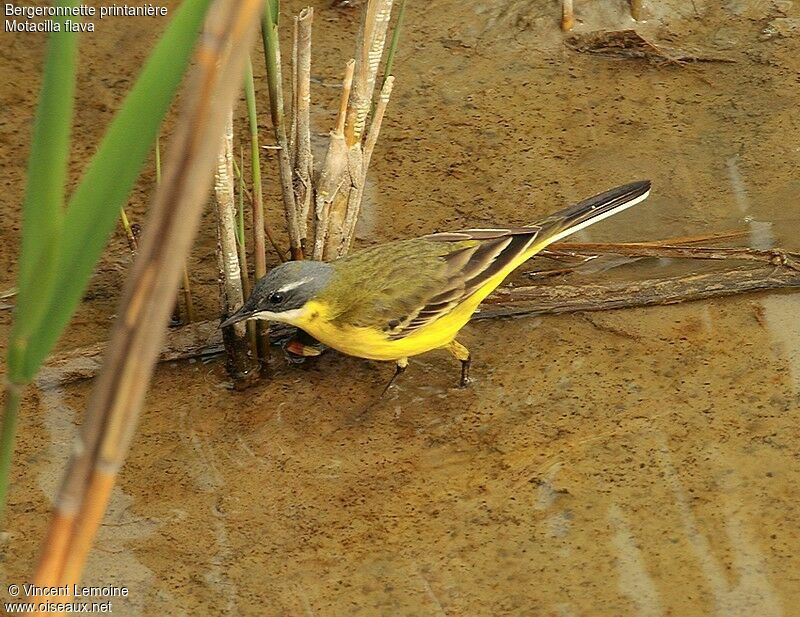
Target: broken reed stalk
(303,160)
(272,57)
(567,16)
(345,200)
(237,347)
(368,57)
(259,244)
(354,209)
(116,401)
(331,177)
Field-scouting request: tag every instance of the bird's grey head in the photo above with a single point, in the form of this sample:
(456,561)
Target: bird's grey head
(282,293)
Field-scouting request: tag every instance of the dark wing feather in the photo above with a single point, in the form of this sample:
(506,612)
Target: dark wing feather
(467,269)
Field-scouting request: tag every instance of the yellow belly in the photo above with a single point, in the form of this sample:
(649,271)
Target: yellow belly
(375,345)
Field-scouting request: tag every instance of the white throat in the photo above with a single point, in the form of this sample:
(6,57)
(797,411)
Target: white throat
(290,317)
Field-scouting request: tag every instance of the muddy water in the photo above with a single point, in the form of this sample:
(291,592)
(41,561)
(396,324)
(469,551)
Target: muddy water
(637,462)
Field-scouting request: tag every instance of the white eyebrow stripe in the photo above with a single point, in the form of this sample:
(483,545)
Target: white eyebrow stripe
(294,285)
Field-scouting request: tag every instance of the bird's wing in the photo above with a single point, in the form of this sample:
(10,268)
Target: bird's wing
(406,285)
(477,256)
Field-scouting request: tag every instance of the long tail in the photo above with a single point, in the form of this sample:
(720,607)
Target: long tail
(574,218)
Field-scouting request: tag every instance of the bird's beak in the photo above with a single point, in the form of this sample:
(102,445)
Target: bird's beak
(241,315)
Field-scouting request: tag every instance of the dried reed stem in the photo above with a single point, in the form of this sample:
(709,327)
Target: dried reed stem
(567,16)
(259,244)
(368,58)
(304,163)
(116,401)
(293,131)
(239,364)
(372,39)
(332,176)
(354,206)
(272,53)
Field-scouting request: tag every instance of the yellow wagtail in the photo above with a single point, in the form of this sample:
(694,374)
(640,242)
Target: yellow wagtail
(407,297)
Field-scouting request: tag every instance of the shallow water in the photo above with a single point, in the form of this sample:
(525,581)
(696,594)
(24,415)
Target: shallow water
(634,462)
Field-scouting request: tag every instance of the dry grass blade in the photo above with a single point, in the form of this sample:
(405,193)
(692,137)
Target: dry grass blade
(116,401)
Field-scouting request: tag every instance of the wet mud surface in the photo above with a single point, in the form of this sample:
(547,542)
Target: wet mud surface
(633,462)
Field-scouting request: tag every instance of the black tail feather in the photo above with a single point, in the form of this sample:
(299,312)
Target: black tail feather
(573,217)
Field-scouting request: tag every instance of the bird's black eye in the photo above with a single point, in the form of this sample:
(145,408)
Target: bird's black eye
(275,298)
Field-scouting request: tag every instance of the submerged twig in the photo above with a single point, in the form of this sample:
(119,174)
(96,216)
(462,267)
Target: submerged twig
(630,44)
(776,257)
(563,298)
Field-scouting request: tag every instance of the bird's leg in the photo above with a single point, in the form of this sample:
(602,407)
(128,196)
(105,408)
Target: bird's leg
(400,368)
(402,363)
(461,354)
